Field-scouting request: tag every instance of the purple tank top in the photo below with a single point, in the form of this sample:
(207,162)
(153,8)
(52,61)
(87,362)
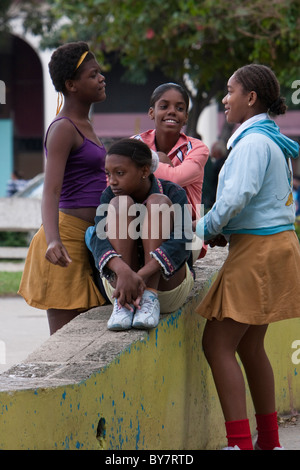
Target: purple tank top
(84,178)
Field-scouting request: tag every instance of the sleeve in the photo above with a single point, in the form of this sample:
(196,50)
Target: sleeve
(241,179)
(191,168)
(176,250)
(96,238)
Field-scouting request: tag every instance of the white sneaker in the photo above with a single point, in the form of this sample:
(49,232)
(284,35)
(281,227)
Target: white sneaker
(231,448)
(148,314)
(121,318)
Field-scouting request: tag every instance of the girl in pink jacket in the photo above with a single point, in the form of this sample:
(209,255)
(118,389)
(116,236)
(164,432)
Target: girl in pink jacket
(182,158)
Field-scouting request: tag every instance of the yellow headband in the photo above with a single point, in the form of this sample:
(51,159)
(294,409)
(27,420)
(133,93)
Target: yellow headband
(60,95)
(83,56)
(59,102)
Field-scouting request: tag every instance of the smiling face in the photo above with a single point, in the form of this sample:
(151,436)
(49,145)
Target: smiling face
(239,104)
(126,178)
(169,112)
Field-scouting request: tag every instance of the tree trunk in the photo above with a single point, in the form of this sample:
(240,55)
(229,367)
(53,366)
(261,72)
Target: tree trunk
(199,102)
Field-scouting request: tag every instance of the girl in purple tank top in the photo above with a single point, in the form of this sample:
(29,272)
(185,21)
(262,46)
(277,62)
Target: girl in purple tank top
(57,275)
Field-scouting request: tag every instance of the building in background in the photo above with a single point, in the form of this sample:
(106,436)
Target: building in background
(29,105)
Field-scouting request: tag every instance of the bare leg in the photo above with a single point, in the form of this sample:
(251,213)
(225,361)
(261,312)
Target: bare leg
(118,222)
(220,342)
(58,318)
(156,229)
(258,369)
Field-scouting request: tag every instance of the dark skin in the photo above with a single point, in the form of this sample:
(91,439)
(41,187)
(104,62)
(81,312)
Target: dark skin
(79,95)
(133,184)
(222,339)
(169,115)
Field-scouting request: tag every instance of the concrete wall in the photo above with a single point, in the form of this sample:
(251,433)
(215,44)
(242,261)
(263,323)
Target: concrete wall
(89,388)
(20,214)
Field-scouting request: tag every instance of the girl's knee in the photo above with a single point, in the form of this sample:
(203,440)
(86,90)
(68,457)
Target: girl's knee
(158,199)
(121,202)
(208,347)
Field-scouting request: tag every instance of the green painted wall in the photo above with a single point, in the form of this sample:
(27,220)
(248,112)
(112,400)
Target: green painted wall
(158,394)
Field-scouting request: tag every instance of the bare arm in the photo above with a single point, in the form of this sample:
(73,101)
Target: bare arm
(59,143)
(129,286)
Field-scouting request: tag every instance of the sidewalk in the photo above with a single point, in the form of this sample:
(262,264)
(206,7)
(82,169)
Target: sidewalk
(289,432)
(22,330)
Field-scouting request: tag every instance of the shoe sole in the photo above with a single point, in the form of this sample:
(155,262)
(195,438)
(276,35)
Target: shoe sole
(119,327)
(141,326)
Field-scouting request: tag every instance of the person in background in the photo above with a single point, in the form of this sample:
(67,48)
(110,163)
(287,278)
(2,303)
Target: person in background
(259,281)
(58,276)
(15,183)
(216,160)
(182,158)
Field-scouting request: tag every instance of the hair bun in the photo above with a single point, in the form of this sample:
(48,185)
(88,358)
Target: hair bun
(278,106)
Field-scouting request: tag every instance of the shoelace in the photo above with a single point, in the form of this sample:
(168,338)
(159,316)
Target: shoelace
(147,303)
(118,309)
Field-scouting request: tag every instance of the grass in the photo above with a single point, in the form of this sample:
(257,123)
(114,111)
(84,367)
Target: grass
(9,282)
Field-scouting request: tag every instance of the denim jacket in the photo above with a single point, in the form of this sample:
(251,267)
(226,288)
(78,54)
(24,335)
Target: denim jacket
(172,253)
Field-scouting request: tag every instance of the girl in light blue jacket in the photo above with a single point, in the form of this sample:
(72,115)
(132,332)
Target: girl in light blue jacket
(259,281)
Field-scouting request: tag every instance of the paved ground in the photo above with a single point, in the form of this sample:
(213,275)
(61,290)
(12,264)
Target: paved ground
(22,330)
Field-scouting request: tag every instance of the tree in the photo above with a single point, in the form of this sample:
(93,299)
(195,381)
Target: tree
(202,40)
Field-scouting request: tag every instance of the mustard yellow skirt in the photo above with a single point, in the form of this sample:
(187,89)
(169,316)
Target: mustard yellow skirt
(259,282)
(44,285)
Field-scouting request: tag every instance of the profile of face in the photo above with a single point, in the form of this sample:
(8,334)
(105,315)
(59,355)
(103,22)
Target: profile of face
(90,82)
(169,112)
(239,104)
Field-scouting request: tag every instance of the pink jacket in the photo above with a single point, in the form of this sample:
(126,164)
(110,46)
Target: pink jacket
(189,157)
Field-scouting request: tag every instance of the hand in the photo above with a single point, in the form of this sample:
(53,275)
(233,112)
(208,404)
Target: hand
(129,288)
(219,240)
(163,158)
(194,225)
(57,254)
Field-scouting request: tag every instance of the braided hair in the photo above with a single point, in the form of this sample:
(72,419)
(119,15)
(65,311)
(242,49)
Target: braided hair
(262,80)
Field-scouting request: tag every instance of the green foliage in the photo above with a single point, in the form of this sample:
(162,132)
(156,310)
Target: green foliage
(205,39)
(9,282)
(13,239)
(297,227)
(199,37)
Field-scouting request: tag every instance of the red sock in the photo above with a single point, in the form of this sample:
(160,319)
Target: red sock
(238,433)
(267,430)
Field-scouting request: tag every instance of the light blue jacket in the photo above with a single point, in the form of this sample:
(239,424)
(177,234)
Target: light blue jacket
(255,185)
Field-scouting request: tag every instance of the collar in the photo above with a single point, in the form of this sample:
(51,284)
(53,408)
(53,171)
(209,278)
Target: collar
(148,137)
(245,125)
